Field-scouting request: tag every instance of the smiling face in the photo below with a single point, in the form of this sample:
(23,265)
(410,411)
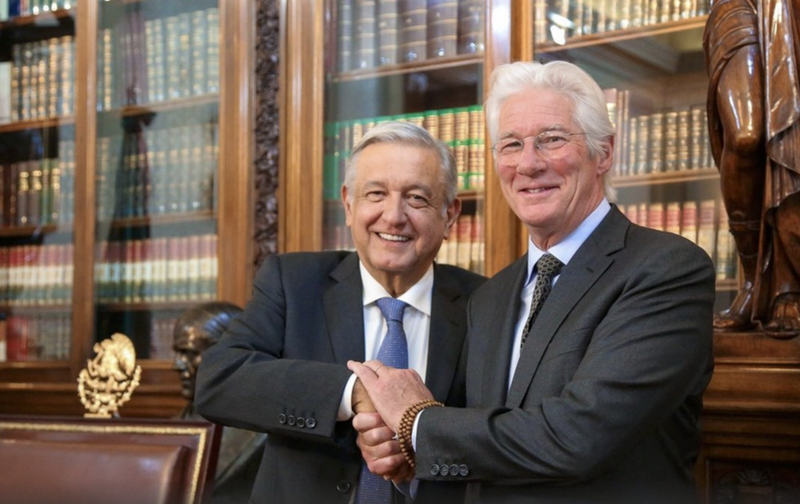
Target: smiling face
(395,212)
(552,195)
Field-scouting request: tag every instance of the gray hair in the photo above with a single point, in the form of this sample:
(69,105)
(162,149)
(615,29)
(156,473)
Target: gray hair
(408,134)
(590,112)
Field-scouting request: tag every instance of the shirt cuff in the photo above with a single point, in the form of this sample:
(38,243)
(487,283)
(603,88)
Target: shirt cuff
(346,404)
(414,430)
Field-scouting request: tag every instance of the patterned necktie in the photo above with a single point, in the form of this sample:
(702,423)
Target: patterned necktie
(374,489)
(547,267)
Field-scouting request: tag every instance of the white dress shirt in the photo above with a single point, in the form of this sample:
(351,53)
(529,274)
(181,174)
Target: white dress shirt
(563,251)
(416,323)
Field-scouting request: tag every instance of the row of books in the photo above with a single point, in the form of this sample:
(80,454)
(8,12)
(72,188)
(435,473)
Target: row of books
(465,247)
(661,141)
(372,33)
(42,336)
(157,172)
(39,81)
(10,9)
(460,128)
(40,191)
(36,275)
(147,61)
(704,223)
(157,269)
(559,20)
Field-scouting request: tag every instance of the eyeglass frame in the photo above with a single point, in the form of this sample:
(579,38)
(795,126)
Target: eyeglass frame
(537,145)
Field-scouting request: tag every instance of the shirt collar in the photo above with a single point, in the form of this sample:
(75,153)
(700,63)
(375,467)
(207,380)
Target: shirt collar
(566,248)
(418,296)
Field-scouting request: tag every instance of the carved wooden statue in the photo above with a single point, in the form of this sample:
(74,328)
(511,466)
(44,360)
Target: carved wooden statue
(752,50)
(240,450)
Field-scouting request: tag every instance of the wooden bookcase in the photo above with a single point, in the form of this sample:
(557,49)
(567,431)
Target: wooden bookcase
(649,58)
(126,149)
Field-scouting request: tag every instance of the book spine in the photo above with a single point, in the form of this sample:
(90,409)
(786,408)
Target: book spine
(365,33)
(413,34)
(388,32)
(442,36)
(344,35)
(471,39)
(706,234)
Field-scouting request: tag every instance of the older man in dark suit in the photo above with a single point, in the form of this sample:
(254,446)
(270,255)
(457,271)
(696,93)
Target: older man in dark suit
(281,367)
(588,357)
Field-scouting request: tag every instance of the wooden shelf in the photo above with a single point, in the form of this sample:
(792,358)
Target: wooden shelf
(167,219)
(610,37)
(677,177)
(35,231)
(55,308)
(147,306)
(27,124)
(428,65)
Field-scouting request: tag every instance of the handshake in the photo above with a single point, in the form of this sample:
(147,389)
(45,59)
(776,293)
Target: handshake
(384,400)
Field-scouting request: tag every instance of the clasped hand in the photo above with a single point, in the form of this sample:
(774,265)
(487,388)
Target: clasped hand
(390,392)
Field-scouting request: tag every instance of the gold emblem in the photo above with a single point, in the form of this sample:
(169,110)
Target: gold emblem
(109,379)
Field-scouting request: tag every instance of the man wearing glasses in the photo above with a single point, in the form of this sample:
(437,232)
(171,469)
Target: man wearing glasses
(587,357)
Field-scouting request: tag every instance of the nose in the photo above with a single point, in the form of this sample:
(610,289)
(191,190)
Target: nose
(394,211)
(531,160)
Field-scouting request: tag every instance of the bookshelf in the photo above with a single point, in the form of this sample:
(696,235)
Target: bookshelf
(126,163)
(410,60)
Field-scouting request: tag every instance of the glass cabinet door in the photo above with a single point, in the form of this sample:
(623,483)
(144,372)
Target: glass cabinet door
(37,173)
(156,163)
(648,58)
(409,60)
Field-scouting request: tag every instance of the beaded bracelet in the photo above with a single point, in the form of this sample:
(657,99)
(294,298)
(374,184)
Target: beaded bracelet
(406,427)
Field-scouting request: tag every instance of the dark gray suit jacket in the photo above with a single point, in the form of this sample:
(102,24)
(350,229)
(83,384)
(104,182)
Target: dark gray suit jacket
(604,403)
(281,369)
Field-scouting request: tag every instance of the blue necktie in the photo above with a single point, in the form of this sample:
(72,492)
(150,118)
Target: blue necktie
(374,489)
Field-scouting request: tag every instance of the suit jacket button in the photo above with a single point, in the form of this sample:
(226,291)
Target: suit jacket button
(281,419)
(290,420)
(444,470)
(463,470)
(435,469)
(454,470)
(343,486)
(301,422)
(311,423)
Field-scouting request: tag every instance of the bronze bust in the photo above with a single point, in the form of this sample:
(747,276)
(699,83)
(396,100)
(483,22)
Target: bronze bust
(240,452)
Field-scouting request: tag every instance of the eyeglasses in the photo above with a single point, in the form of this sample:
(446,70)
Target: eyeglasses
(509,150)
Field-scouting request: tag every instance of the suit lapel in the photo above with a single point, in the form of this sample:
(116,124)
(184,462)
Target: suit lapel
(447,330)
(584,269)
(498,352)
(344,311)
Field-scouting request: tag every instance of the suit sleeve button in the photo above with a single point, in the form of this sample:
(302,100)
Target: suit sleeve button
(290,420)
(454,470)
(463,470)
(281,419)
(444,470)
(434,469)
(343,486)
(301,422)
(311,423)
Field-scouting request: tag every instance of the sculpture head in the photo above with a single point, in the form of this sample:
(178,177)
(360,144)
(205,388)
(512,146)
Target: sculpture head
(195,330)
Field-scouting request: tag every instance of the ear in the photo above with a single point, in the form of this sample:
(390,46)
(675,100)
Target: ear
(453,211)
(605,158)
(348,206)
